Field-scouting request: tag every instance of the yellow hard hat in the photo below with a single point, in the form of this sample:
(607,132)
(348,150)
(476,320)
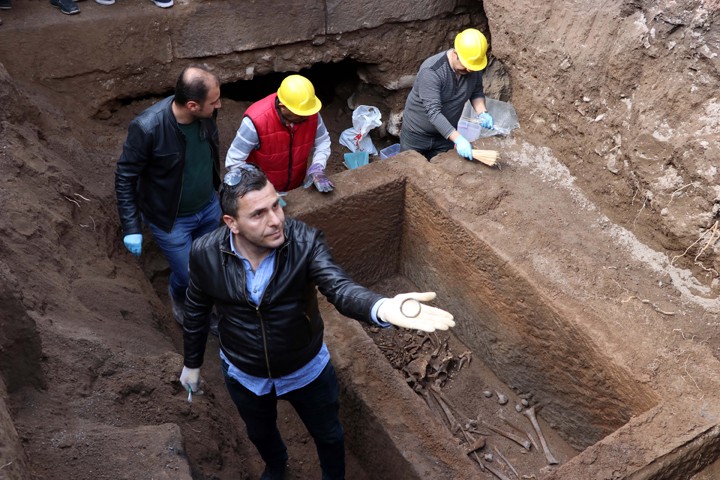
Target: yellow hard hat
(298,95)
(471,47)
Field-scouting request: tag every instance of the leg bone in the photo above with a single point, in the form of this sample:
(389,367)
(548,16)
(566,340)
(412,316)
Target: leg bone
(530,414)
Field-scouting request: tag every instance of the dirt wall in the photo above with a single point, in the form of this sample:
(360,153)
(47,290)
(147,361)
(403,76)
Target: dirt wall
(239,40)
(531,343)
(624,93)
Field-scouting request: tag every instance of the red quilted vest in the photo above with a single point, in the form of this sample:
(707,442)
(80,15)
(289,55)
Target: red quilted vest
(283,151)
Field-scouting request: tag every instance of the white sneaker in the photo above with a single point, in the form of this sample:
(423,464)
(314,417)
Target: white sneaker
(163,3)
(105,2)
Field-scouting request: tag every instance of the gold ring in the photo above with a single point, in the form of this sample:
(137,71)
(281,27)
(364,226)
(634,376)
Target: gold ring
(419,307)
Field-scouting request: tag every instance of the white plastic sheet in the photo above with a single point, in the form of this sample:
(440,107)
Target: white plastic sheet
(357,138)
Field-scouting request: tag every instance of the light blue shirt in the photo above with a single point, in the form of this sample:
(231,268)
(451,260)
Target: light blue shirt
(255,284)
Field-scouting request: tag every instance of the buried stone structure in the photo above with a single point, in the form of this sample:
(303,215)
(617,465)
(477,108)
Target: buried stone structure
(526,313)
(567,276)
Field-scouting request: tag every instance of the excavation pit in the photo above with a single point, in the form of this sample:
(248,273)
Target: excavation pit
(566,269)
(400,240)
(389,231)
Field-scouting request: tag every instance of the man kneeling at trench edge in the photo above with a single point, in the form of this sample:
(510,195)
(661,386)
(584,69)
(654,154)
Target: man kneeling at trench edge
(260,271)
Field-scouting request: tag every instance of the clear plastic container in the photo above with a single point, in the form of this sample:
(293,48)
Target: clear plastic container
(504,117)
(390,151)
(469,129)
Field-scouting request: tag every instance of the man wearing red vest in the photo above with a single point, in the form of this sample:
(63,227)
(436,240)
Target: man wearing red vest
(278,133)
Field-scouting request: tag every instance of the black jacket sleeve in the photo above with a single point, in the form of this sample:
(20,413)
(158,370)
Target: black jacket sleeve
(198,305)
(135,156)
(351,299)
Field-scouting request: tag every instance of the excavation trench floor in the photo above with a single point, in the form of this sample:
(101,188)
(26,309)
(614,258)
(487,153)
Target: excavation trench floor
(470,389)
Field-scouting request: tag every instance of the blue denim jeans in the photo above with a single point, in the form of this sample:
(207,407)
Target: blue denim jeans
(317,405)
(176,243)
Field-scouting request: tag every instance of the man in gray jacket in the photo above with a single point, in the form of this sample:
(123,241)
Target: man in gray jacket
(260,272)
(444,83)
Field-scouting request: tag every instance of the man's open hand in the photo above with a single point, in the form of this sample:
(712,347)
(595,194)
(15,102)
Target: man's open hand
(407,311)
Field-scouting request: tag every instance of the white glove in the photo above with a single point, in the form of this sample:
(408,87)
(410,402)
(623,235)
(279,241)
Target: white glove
(190,379)
(406,311)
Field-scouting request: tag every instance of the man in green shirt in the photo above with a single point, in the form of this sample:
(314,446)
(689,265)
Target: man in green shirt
(169,173)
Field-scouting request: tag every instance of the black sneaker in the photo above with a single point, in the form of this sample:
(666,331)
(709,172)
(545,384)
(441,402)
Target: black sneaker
(5,4)
(177,307)
(67,7)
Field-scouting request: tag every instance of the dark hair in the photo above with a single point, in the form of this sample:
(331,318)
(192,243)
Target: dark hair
(193,84)
(237,183)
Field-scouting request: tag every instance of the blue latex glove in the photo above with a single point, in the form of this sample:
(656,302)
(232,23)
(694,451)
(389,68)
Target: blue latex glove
(463,147)
(486,120)
(316,175)
(133,243)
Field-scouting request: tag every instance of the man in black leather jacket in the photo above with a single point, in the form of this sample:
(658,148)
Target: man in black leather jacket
(168,174)
(260,271)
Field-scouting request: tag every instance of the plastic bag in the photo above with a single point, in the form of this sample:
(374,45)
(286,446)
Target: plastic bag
(504,118)
(357,139)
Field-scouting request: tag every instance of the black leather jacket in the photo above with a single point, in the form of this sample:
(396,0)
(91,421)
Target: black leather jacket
(149,173)
(285,331)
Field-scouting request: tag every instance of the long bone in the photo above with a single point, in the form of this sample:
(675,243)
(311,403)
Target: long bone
(500,475)
(484,467)
(517,429)
(506,461)
(530,414)
(455,426)
(444,403)
(532,440)
(510,436)
(437,395)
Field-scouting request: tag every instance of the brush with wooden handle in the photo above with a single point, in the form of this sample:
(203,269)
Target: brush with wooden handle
(488,157)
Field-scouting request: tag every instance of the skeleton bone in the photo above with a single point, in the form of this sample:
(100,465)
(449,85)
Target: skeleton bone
(532,440)
(433,405)
(510,436)
(417,368)
(517,429)
(497,472)
(530,414)
(445,405)
(440,345)
(469,438)
(484,467)
(447,402)
(440,368)
(465,357)
(454,424)
(475,445)
(506,461)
